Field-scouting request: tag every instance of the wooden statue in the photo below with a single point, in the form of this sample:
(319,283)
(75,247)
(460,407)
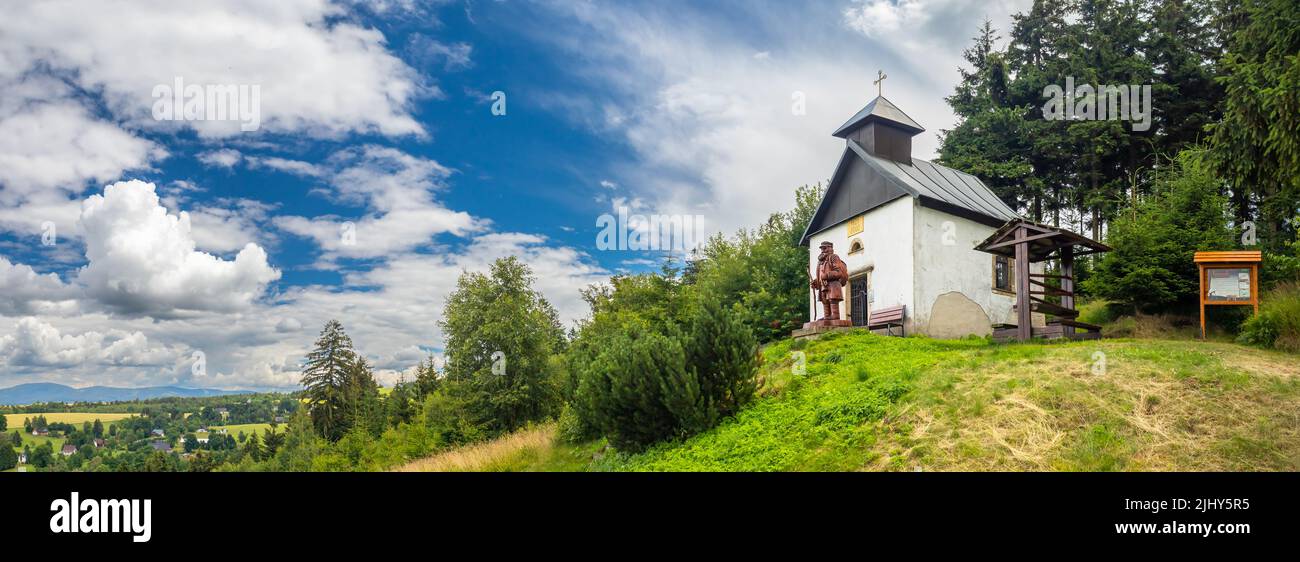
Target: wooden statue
(829,281)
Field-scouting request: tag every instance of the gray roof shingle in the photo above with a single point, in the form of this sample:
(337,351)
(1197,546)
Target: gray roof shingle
(926,179)
(880,109)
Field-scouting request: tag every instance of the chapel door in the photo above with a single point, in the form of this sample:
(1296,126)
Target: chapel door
(858,300)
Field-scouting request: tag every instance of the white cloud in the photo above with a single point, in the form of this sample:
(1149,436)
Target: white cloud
(36,343)
(397,190)
(50,141)
(223,158)
(143,260)
(714,126)
(295,167)
(354,83)
(24,291)
(453,55)
(229,225)
(875,17)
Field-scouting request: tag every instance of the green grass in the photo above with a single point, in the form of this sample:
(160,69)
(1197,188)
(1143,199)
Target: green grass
(247,428)
(870,402)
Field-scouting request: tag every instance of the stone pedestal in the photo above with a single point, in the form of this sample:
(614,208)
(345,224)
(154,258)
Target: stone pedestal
(819,327)
(824,323)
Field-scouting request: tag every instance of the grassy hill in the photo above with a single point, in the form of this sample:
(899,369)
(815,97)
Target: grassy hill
(869,402)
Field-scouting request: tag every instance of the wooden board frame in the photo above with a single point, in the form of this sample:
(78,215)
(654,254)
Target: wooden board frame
(1236,259)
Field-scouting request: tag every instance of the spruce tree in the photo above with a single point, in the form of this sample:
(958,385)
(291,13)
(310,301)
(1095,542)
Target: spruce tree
(325,381)
(253,447)
(1257,143)
(426,378)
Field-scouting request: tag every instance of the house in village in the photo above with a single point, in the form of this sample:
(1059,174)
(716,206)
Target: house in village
(161,446)
(99,443)
(68,450)
(22,458)
(932,245)
(158,433)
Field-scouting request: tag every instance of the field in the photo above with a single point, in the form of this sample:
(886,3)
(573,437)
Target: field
(247,428)
(869,402)
(78,418)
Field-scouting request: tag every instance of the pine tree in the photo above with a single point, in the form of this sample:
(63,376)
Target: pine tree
(253,447)
(639,391)
(325,381)
(723,354)
(272,441)
(398,405)
(426,378)
(8,458)
(1257,144)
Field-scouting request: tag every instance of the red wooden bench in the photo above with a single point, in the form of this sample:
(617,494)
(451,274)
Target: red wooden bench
(887,318)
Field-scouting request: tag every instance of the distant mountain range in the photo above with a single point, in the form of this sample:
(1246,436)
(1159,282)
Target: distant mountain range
(51,392)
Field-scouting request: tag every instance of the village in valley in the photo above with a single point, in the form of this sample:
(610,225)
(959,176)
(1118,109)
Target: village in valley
(153,435)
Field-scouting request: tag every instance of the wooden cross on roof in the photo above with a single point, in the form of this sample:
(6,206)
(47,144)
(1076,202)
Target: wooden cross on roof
(880,82)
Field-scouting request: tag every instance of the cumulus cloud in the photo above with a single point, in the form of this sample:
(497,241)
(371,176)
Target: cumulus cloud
(141,259)
(37,343)
(24,291)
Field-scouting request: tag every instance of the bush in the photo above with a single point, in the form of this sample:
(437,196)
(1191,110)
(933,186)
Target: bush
(572,428)
(1278,323)
(640,385)
(723,354)
(639,391)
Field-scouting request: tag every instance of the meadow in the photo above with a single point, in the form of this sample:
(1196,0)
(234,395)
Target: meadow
(868,402)
(247,428)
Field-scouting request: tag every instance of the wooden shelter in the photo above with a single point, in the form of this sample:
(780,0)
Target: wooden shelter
(1028,242)
(1228,278)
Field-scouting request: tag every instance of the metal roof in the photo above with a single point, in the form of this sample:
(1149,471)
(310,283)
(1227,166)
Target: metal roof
(880,109)
(934,185)
(927,179)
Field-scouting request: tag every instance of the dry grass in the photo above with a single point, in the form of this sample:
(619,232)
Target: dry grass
(507,452)
(1216,407)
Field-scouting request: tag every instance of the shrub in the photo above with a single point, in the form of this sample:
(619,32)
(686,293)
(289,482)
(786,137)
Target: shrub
(639,391)
(1278,323)
(723,354)
(573,428)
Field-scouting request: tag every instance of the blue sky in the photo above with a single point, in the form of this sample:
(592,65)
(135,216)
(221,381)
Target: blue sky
(189,252)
